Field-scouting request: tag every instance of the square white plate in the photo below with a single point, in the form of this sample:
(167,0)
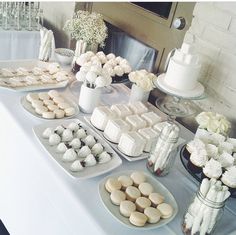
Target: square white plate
(87,172)
(115,146)
(28,107)
(30,64)
(115,212)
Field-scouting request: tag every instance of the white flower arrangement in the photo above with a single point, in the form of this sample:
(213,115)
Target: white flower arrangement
(88,27)
(143,79)
(213,122)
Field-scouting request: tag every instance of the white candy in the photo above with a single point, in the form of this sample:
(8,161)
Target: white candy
(76,166)
(47,132)
(67,135)
(90,160)
(89,140)
(84,151)
(104,157)
(54,139)
(59,130)
(61,148)
(73,126)
(69,155)
(75,143)
(97,149)
(81,133)
(111,56)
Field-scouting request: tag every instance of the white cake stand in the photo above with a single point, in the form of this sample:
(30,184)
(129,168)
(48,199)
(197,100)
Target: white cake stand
(178,103)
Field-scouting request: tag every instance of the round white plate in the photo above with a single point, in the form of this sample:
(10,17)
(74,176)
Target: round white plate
(190,94)
(115,212)
(28,107)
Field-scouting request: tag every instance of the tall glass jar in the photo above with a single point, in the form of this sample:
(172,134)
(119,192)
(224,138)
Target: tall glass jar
(202,216)
(163,153)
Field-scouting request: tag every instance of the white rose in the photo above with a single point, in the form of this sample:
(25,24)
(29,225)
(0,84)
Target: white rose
(213,126)
(145,84)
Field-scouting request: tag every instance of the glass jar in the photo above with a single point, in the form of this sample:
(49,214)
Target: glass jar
(164,152)
(202,216)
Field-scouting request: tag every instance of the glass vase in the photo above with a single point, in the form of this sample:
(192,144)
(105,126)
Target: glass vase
(138,94)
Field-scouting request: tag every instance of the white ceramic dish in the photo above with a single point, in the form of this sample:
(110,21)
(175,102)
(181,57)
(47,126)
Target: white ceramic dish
(115,146)
(114,210)
(29,64)
(28,107)
(64,56)
(88,172)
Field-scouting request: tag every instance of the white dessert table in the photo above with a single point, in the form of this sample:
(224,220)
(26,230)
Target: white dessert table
(19,44)
(37,197)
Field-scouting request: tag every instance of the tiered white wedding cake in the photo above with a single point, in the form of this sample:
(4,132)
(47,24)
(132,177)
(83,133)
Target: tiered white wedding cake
(183,70)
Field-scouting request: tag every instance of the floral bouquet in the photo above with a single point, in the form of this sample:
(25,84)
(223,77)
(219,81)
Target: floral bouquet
(213,122)
(88,27)
(143,79)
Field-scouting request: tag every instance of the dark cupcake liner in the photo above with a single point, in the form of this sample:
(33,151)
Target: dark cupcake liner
(194,168)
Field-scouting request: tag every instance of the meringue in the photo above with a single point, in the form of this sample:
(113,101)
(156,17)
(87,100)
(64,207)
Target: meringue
(229,177)
(212,169)
(226,160)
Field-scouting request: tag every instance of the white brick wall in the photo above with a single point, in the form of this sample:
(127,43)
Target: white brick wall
(213,31)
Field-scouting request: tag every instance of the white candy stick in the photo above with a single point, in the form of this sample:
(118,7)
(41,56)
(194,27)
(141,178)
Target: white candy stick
(219,198)
(198,218)
(204,187)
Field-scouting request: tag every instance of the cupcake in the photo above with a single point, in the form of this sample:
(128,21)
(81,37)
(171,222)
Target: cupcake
(226,147)
(226,160)
(229,179)
(197,161)
(212,169)
(212,151)
(194,145)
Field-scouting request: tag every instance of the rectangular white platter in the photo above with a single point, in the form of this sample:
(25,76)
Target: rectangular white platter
(115,212)
(28,107)
(87,172)
(29,64)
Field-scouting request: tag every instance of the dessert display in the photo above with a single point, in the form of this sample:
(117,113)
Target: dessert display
(41,76)
(77,149)
(49,105)
(141,202)
(206,209)
(128,127)
(211,153)
(184,68)
(116,67)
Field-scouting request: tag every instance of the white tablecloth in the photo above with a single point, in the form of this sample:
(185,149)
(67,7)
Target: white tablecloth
(37,197)
(19,44)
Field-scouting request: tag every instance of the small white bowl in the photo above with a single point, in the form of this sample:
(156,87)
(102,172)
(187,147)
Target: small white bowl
(64,56)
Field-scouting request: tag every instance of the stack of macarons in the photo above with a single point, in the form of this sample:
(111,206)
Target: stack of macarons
(137,200)
(50,104)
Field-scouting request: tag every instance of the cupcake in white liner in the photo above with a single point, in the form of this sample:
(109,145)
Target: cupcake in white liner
(194,145)
(233,142)
(229,178)
(226,147)
(197,161)
(212,151)
(216,138)
(212,169)
(226,160)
